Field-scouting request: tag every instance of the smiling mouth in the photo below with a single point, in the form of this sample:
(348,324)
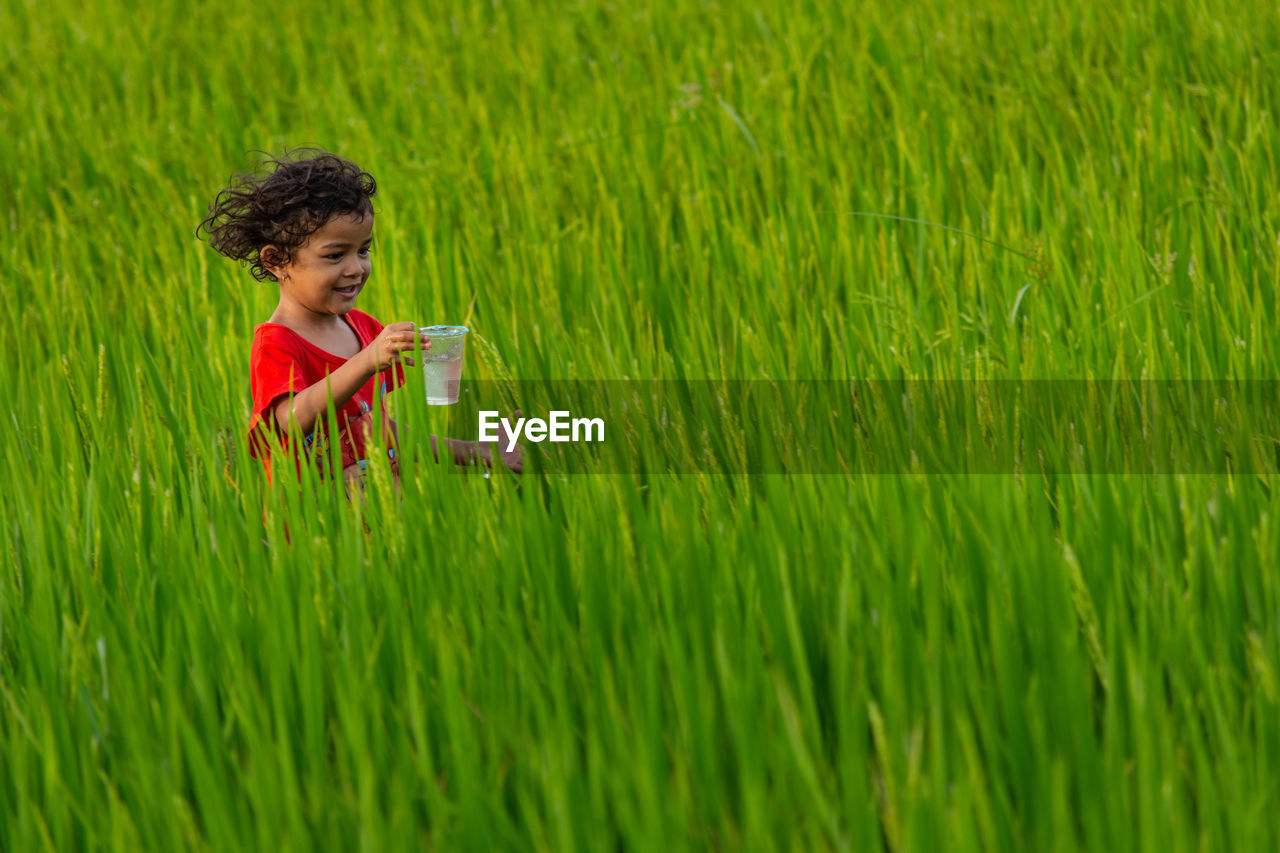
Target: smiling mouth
(348,291)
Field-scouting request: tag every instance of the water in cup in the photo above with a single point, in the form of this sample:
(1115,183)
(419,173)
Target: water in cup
(442,364)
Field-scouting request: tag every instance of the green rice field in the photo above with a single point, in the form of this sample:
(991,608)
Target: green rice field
(784,618)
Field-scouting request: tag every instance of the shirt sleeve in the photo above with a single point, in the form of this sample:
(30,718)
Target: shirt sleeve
(275,371)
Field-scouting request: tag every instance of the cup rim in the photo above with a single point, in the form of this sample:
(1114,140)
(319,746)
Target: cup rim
(444,331)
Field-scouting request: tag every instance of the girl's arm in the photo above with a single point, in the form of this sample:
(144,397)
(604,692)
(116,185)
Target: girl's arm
(469,452)
(387,349)
(464,452)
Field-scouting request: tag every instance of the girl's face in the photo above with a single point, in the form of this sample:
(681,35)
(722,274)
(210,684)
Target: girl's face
(329,270)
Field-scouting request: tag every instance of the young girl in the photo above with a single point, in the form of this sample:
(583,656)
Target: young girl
(308,226)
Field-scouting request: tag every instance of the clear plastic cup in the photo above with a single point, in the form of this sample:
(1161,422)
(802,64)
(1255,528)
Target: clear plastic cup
(442,364)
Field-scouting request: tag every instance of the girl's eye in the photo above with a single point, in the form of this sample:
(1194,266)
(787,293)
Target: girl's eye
(337,256)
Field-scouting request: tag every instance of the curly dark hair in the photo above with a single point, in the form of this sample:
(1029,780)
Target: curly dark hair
(282,203)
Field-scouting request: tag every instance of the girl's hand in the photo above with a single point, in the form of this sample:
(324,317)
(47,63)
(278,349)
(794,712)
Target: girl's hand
(393,343)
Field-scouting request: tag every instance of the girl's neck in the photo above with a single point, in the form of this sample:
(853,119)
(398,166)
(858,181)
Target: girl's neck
(301,321)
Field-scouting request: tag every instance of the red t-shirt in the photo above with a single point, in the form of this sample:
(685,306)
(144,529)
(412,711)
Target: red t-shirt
(282,362)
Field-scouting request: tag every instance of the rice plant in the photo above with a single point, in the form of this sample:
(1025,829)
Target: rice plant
(767,612)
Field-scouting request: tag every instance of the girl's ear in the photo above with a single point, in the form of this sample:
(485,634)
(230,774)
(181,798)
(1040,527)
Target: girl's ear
(273,259)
